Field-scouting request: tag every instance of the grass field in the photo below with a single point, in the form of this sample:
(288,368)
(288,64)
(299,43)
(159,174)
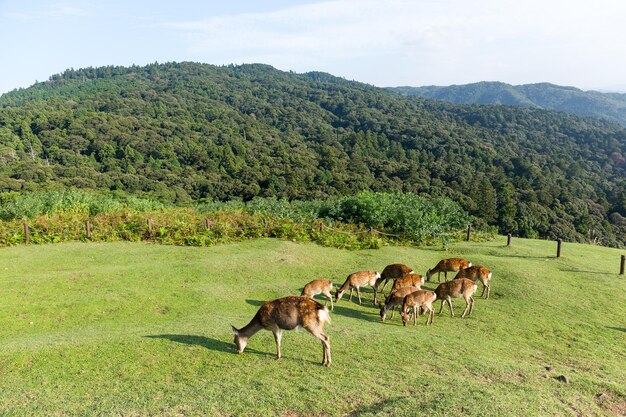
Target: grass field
(128,329)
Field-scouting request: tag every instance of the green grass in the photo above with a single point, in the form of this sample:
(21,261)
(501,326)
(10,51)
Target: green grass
(129,329)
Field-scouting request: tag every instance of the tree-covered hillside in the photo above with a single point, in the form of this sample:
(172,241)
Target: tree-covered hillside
(611,106)
(186,131)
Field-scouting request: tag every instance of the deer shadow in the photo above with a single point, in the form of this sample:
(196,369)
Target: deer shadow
(378,408)
(357,314)
(619,329)
(205,342)
(256,303)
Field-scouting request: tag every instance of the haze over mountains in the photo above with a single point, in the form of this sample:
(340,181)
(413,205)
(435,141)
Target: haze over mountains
(611,106)
(181,132)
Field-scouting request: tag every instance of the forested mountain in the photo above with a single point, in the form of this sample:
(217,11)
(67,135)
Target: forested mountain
(547,96)
(187,131)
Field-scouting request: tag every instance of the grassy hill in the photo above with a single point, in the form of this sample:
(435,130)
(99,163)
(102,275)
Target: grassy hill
(183,132)
(611,106)
(141,329)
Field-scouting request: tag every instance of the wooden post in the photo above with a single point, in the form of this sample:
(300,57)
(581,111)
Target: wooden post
(469,232)
(149,222)
(207,223)
(558,248)
(622,264)
(508,239)
(26,233)
(88,229)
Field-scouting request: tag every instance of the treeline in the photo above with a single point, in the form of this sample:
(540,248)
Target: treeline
(184,133)
(364,221)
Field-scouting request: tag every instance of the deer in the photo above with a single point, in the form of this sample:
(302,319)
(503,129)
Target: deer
(447,265)
(287,313)
(409,280)
(357,280)
(395,299)
(391,272)
(475,273)
(319,286)
(415,300)
(456,288)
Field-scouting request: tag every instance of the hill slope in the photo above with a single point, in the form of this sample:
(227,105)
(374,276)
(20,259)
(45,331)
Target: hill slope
(187,131)
(611,106)
(149,334)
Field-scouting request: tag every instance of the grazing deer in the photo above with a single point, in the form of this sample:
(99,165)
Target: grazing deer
(395,299)
(286,314)
(475,273)
(447,265)
(410,280)
(358,280)
(415,300)
(319,286)
(391,272)
(456,288)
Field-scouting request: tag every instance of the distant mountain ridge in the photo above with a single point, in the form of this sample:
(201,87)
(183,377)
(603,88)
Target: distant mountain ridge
(545,96)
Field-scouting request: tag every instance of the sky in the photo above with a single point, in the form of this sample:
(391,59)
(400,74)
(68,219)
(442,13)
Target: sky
(386,43)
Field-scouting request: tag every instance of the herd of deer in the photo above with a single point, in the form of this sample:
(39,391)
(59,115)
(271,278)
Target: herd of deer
(289,313)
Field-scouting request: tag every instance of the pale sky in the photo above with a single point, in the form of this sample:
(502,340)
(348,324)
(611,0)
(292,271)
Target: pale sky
(381,42)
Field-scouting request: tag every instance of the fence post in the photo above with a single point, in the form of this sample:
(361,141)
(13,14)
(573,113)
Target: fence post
(558,247)
(26,233)
(469,231)
(207,223)
(622,264)
(508,239)
(88,229)
(149,222)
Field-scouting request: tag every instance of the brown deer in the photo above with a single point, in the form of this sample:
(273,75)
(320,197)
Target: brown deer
(358,280)
(456,288)
(447,265)
(286,314)
(415,300)
(476,273)
(395,299)
(391,272)
(410,280)
(319,286)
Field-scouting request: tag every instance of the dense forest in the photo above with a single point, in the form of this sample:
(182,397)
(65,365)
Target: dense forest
(611,106)
(184,132)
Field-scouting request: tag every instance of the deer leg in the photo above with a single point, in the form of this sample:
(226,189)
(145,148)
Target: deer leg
(445,275)
(431,314)
(384,285)
(438,276)
(278,334)
(441,308)
(469,302)
(415,314)
(358,292)
(471,305)
(317,332)
(329,297)
(350,299)
(484,288)
(449,300)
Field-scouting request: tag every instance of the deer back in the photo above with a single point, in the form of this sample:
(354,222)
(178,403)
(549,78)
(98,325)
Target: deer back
(290,312)
(396,297)
(316,286)
(410,280)
(363,278)
(474,272)
(394,271)
(455,288)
